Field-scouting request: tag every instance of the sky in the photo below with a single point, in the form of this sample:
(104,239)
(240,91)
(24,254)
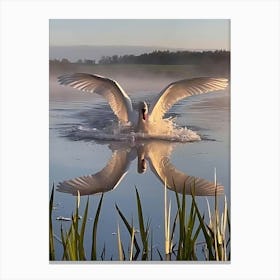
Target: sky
(175,33)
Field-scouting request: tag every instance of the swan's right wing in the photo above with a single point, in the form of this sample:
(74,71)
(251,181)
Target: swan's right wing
(175,179)
(183,89)
(103,181)
(109,89)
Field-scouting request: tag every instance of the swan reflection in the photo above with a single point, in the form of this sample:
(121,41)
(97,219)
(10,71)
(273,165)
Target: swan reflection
(157,154)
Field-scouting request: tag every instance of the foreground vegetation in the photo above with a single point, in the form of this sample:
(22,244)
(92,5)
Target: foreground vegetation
(190,225)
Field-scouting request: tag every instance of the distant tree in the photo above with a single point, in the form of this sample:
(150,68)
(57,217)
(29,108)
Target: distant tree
(105,60)
(55,61)
(115,59)
(89,61)
(65,60)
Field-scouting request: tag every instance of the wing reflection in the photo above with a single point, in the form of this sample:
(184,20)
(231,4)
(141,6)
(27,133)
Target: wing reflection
(157,153)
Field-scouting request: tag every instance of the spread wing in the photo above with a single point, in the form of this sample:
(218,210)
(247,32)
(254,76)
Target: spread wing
(182,89)
(103,181)
(109,89)
(176,179)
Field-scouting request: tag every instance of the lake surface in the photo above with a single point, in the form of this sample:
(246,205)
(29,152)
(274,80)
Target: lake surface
(73,155)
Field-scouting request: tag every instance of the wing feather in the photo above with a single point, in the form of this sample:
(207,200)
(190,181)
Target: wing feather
(103,181)
(176,180)
(182,89)
(109,89)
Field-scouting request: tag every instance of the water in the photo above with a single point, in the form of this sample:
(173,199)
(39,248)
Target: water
(75,151)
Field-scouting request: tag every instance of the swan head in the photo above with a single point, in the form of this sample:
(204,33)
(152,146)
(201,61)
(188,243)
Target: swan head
(142,165)
(143,110)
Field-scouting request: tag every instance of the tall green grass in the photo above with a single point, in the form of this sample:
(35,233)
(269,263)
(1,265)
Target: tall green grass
(182,233)
(72,239)
(144,228)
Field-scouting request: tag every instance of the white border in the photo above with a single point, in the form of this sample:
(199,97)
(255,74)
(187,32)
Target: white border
(254,144)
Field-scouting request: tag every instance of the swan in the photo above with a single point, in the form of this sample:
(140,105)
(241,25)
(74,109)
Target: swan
(145,120)
(157,154)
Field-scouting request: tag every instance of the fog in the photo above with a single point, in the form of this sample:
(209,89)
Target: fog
(134,79)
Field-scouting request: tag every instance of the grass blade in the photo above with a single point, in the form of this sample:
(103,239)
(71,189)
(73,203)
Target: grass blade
(75,235)
(167,211)
(140,218)
(103,253)
(120,247)
(131,244)
(129,228)
(82,233)
(188,244)
(203,227)
(143,232)
(51,239)
(94,230)
(161,258)
(65,254)
(174,225)
(181,225)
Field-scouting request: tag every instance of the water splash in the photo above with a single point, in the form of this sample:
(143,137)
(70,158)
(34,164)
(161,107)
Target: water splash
(166,130)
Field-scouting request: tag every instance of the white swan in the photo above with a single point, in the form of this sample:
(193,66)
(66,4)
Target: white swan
(150,122)
(157,153)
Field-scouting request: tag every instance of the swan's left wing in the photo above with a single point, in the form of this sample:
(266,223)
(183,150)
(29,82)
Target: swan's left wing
(109,89)
(182,89)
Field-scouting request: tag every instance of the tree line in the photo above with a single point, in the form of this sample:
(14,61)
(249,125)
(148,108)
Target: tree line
(220,57)
(167,57)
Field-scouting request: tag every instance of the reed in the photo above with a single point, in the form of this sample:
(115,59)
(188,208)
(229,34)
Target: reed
(120,246)
(167,211)
(51,237)
(72,239)
(181,236)
(144,231)
(94,230)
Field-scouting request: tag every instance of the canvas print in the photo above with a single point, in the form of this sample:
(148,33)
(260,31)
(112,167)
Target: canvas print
(139,138)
